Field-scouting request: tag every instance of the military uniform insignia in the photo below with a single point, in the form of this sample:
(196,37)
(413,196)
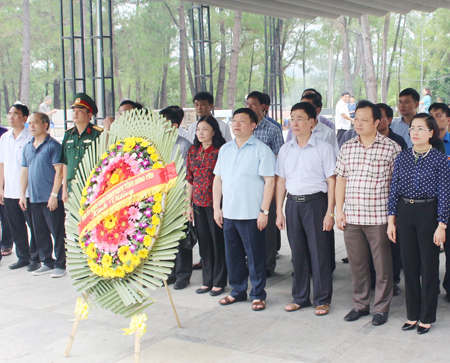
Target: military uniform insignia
(98,128)
(87,141)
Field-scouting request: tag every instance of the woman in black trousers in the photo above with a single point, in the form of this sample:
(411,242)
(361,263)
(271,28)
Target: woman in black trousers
(201,160)
(418,214)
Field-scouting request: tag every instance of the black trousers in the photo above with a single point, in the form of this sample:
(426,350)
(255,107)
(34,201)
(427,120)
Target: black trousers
(212,247)
(416,224)
(182,270)
(272,235)
(311,251)
(6,240)
(18,220)
(446,283)
(47,224)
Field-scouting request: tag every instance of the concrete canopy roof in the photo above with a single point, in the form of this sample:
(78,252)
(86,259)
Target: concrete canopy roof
(332,9)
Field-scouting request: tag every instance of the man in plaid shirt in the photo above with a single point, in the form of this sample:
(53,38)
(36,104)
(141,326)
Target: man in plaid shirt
(364,171)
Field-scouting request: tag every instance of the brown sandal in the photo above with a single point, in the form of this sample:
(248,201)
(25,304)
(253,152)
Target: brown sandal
(227,301)
(6,251)
(322,309)
(258,305)
(294,307)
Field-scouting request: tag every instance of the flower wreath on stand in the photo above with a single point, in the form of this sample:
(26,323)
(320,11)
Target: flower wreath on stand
(127,213)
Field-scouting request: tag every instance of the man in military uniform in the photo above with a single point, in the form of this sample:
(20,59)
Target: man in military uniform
(78,139)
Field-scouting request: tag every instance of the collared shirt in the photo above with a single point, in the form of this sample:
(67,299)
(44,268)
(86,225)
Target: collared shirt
(446,141)
(401,128)
(321,119)
(224,129)
(352,109)
(307,168)
(182,132)
(341,122)
(200,174)
(242,171)
(274,122)
(41,171)
(269,134)
(74,146)
(429,177)
(326,134)
(11,153)
(44,108)
(368,175)
(184,145)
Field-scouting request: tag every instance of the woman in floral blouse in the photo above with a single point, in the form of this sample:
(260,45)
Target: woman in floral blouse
(201,160)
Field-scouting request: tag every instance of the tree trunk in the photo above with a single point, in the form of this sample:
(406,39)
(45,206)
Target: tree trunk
(394,49)
(183,52)
(6,95)
(57,92)
(116,60)
(400,56)
(349,76)
(330,101)
(370,79)
(163,96)
(218,104)
(190,77)
(234,60)
(384,89)
(251,70)
(26,55)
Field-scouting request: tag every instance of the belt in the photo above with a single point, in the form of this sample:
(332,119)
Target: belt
(306,198)
(414,201)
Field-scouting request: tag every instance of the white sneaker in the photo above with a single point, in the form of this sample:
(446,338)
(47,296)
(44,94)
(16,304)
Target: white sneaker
(58,272)
(42,270)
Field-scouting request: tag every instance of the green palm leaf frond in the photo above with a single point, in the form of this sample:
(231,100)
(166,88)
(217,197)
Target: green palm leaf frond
(130,295)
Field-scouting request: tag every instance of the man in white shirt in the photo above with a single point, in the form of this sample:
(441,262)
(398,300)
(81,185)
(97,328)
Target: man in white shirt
(11,153)
(343,119)
(204,105)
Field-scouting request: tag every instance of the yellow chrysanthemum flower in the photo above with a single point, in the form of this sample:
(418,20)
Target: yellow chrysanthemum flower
(144,143)
(119,272)
(91,251)
(106,260)
(112,146)
(108,272)
(155,220)
(154,157)
(124,253)
(128,267)
(80,212)
(151,231)
(151,150)
(84,192)
(148,239)
(135,260)
(114,179)
(158,197)
(157,208)
(157,165)
(82,201)
(143,253)
(110,221)
(104,156)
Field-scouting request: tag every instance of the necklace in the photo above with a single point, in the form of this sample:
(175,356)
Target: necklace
(418,153)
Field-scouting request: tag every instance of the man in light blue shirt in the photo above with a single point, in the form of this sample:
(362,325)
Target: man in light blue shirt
(305,169)
(408,101)
(245,178)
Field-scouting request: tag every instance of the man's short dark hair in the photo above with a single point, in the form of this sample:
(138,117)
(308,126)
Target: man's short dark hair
(309,109)
(410,92)
(312,90)
(174,114)
(344,93)
(249,112)
(376,112)
(133,104)
(431,124)
(314,97)
(440,106)
(267,99)
(258,95)
(387,110)
(23,108)
(43,117)
(204,96)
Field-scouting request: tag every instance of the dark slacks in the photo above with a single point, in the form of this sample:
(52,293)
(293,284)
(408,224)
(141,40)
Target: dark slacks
(310,251)
(416,224)
(18,220)
(6,240)
(361,241)
(212,247)
(182,270)
(272,233)
(243,237)
(446,283)
(46,224)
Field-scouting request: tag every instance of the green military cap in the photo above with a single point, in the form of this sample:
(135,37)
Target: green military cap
(83,100)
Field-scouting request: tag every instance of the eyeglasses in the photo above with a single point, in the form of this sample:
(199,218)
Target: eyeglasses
(299,120)
(419,129)
(11,114)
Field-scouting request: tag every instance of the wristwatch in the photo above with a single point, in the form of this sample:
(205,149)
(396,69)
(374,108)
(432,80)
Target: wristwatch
(442,225)
(332,215)
(265,212)
(54,195)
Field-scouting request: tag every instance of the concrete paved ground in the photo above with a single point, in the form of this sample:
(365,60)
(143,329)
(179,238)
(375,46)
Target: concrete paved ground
(35,315)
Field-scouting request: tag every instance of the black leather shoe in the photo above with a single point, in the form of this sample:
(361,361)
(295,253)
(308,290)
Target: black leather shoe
(397,289)
(18,264)
(180,285)
(269,273)
(171,280)
(379,318)
(407,326)
(203,291)
(217,293)
(422,330)
(355,314)
(33,266)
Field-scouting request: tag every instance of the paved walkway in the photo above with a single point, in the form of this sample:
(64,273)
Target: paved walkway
(35,315)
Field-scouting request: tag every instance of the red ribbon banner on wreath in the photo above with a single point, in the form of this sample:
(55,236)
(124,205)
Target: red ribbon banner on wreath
(126,193)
